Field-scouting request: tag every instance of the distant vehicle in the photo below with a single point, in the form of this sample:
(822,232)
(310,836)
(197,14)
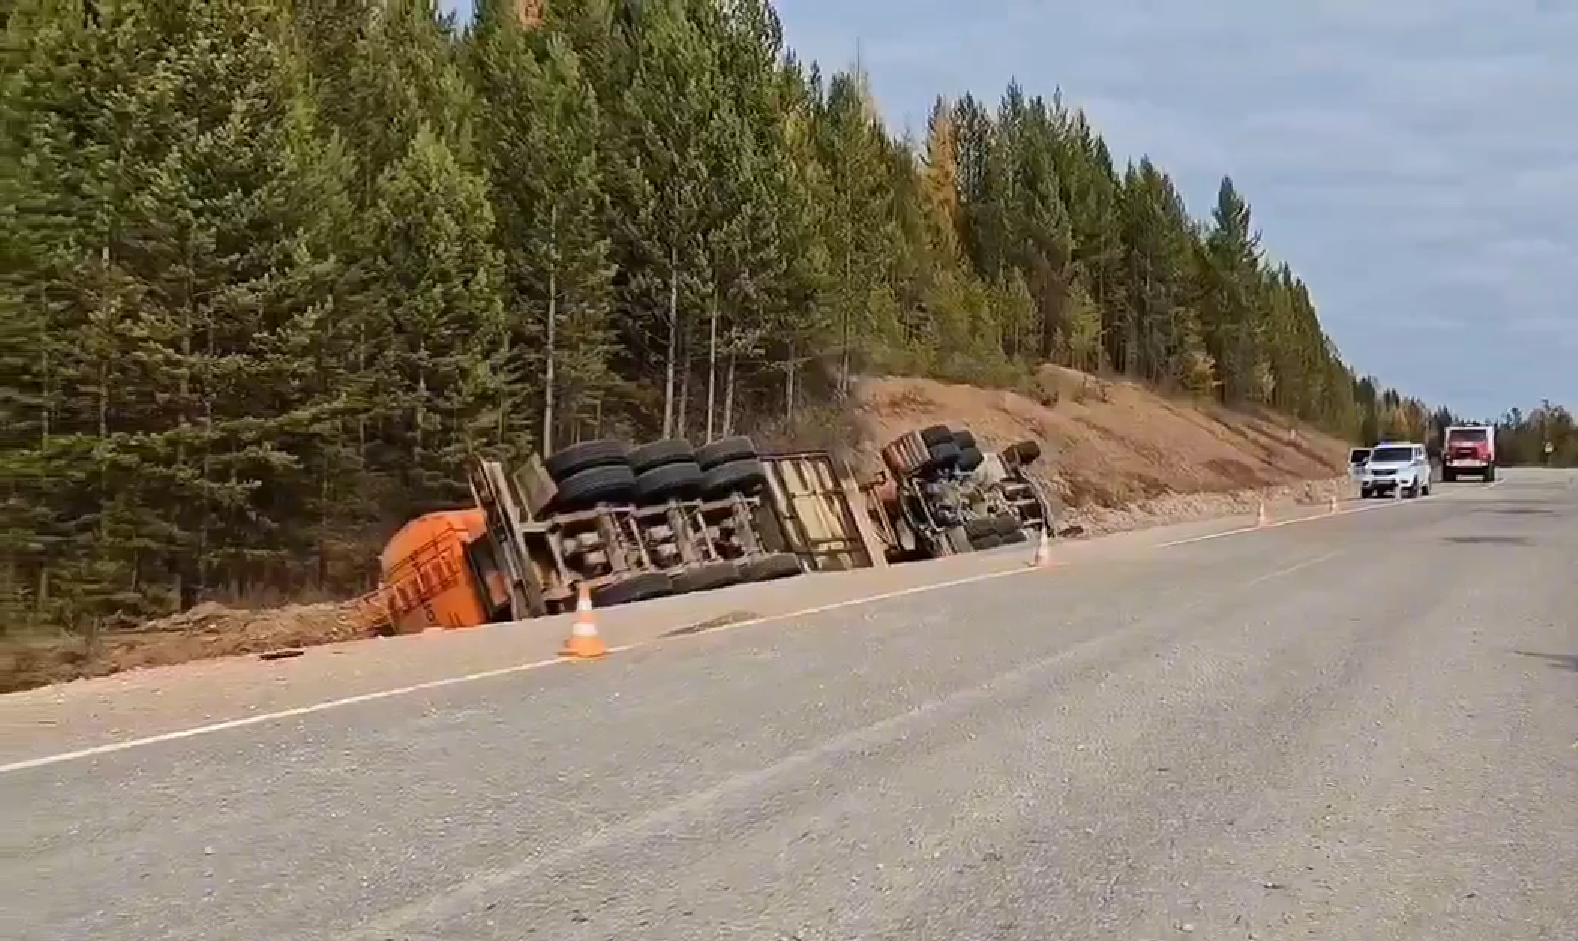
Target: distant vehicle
(1398,468)
(1356,459)
(1468,449)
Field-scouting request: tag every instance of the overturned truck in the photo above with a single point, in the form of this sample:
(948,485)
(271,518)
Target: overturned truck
(948,496)
(623,524)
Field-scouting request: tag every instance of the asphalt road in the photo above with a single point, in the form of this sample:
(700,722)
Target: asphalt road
(1360,727)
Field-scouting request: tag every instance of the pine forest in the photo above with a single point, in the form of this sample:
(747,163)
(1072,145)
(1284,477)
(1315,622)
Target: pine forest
(270,269)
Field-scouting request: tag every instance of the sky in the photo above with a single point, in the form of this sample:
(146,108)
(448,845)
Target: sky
(1415,161)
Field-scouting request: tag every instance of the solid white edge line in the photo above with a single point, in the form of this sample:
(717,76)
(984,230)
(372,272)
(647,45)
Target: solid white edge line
(113,747)
(296,712)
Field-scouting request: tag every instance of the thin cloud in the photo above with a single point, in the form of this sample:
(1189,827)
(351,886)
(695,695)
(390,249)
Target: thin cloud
(1416,161)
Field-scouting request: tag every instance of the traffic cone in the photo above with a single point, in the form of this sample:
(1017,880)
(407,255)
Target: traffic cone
(1334,505)
(1043,555)
(1262,519)
(583,642)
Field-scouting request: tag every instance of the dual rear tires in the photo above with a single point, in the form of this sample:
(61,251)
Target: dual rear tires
(607,471)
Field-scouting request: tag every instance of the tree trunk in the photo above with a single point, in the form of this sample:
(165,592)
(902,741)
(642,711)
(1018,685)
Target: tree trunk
(551,353)
(670,426)
(728,393)
(789,375)
(843,363)
(712,360)
(682,408)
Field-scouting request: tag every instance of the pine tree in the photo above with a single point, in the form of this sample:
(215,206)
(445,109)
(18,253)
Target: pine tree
(551,215)
(441,323)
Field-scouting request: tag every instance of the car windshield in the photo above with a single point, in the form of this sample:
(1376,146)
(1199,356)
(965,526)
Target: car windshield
(1358,455)
(1391,455)
(1467,436)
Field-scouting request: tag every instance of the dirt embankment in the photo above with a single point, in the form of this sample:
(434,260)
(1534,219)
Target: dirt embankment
(1111,443)
(1118,456)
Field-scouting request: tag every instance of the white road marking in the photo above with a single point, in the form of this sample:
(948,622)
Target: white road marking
(325,706)
(113,747)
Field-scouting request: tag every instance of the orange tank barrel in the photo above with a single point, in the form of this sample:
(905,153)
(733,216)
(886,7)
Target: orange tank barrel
(424,574)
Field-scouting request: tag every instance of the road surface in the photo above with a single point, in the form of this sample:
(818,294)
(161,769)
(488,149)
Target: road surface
(1359,727)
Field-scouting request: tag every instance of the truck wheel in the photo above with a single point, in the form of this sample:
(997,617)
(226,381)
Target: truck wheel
(1490,474)
(1003,524)
(668,482)
(638,587)
(725,451)
(609,483)
(1364,493)
(1014,538)
(965,439)
(744,476)
(659,453)
(989,541)
(567,462)
(707,577)
(936,434)
(772,567)
(943,455)
(1026,451)
(980,528)
(970,458)
(1448,476)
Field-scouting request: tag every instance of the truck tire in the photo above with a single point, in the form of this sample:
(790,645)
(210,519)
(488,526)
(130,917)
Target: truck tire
(706,577)
(964,439)
(988,541)
(1490,474)
(1026,451)
(980,527)
(1448,476)
(943,456)
(970,458)
(637,587)
(567,462)
(725,451)
(771,567)
(936,434)
(1014,538)
(1003,524)
(606,483)
(745,476)
(668,482)
(660,453)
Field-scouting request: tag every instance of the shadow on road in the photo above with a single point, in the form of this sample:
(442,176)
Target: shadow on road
(1488,540)
(1558,661)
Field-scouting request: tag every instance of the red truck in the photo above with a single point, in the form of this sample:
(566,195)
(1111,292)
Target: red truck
(1468,449)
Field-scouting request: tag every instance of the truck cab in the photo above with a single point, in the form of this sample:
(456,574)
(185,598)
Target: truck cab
(1468,449)
(1396,468)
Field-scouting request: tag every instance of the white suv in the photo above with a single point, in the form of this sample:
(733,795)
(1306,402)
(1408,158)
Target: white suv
(1401,469)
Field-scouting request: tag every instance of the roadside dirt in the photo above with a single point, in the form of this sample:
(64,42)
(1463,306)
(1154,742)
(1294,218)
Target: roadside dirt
(206,631)
(1117,455)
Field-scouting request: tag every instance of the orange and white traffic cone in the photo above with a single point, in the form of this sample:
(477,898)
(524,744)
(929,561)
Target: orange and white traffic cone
(583,642)
(1043,555)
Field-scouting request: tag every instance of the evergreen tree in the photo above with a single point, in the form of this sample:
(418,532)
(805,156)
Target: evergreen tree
(271,269)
